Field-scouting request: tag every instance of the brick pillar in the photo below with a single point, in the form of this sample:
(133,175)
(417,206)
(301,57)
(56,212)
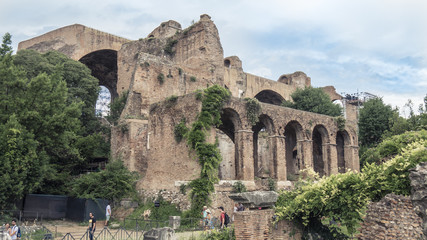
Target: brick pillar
(253,224)
(244,140)
(333,159)
(279,157)
(306,149)
(356,163)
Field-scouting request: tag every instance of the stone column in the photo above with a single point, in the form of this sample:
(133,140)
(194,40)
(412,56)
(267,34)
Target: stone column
(348,157)
(356,163)
(332,159)
(244,140)
(305,153)
(279,156)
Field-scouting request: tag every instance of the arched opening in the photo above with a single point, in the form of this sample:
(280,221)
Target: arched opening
(343,151)
(320,153)
(103,64)
(227,63)
(294,164)
(264,165)
(269,96)
(229,166)
(102,107)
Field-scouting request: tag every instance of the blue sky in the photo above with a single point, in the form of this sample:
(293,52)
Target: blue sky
(368,46)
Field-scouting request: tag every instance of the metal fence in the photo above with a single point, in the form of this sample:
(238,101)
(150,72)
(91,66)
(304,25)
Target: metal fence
(22,217)
(108,234)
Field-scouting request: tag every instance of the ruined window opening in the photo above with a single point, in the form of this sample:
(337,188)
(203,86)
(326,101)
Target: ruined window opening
(292,159)
(102,107)
(227,63)
(319,158)
(269,96)
(103,64)
(340,152)
(229,167)
(264,162)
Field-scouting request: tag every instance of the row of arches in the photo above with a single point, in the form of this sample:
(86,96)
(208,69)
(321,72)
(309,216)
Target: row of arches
(280,155)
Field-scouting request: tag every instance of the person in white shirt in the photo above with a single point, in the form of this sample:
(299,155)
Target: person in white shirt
(14,230)
(107,214)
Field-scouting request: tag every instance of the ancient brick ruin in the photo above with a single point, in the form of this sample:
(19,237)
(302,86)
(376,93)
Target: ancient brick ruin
(172,61)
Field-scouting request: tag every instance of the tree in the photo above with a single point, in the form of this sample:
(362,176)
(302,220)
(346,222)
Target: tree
(374,120)
(22,168)
(5,46)
(313,100)
(52,98)
(113,183)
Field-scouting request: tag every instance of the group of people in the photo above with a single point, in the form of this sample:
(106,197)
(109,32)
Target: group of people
(13,231)
(209,220)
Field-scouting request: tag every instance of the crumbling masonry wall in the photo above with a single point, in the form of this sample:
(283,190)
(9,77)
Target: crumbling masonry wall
(161,73)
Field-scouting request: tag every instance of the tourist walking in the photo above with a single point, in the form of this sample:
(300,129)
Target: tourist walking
(92,226)
(107,214)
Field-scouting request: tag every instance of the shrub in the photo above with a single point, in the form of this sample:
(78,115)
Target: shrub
(113,183)
(161,78)
(337,202)
(239,187)
(253,109)
(193,79)
(169,46)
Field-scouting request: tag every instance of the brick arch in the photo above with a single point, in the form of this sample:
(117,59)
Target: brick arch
(230,167)
(320,150)
(264,161)
(79,41)
(344,155)
(269,96)
(103,64)
(294,135)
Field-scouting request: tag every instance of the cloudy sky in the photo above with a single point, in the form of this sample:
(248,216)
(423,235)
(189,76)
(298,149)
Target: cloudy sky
(375,46)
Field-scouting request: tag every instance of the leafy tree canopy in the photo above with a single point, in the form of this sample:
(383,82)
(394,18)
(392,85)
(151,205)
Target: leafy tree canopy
(374,120)
(313,100)
(47,120)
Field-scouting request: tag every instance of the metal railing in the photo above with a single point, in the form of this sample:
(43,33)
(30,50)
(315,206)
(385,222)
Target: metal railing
(22,217)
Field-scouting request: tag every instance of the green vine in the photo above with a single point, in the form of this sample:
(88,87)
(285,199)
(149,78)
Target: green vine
(180,130)
(340,123)
(253,109)
(208,154)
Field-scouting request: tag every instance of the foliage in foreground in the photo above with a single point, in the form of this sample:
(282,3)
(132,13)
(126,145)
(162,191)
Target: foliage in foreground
(223,234)
(338,202)
(113,183)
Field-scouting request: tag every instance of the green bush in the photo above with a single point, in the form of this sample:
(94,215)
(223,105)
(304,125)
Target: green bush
(253,109)
(239,187)
(338,202)
(193,79)
(391,146)
(169,46)
(161,78)
(223,234)
(113,183)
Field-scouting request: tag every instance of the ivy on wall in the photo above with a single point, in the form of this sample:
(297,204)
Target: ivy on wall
(208,155)
(253,108)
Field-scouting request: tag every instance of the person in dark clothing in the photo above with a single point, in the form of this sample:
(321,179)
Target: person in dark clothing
(92,225)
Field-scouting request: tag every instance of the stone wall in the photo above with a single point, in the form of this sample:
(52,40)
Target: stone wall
(418,178)
(391,218)
(258,224)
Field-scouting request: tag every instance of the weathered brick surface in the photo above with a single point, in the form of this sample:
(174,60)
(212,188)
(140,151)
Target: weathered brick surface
(258,224)
(391,218)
